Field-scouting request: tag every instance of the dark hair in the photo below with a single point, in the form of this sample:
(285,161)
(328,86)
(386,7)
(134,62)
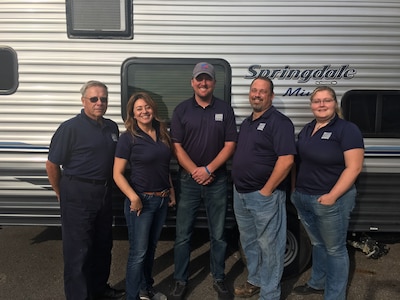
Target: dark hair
(271,84)
(131,123)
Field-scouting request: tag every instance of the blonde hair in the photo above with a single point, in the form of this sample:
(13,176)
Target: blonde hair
(331,91)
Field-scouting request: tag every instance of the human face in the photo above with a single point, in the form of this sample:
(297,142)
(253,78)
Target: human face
(143,113)
(203,87)
(323,106)
(94,110)
(260,96)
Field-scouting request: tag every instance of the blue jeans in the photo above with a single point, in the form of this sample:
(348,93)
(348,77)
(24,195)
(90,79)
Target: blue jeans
(327,228)
(262,226)
(144,232)
(214,196)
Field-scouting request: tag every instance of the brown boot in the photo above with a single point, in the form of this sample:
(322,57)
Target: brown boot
(246,290)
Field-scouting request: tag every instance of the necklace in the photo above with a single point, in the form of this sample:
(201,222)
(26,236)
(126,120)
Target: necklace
(318,126)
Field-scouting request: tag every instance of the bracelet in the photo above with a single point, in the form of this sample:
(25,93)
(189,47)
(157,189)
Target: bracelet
(207,170)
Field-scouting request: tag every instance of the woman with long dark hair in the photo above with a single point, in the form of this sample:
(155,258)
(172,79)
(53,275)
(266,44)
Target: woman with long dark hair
(146,147)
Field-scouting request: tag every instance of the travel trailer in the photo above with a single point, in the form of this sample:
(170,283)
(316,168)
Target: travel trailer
(49,48)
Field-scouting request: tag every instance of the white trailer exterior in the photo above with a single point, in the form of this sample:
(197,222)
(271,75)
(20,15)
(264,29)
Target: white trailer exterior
(350,45)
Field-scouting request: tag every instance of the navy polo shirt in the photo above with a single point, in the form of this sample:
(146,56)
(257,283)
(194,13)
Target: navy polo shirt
(84,147)
(259,144)
(148,160)
(320,159)
(202,132)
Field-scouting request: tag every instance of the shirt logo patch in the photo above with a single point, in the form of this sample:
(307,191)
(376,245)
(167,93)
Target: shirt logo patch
(326,135)
(114,137)
(261,126)
(219,117)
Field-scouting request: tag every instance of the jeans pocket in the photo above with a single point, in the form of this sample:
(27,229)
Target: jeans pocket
(265,197)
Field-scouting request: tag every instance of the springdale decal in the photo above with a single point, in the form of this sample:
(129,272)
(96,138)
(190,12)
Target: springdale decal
(325,75)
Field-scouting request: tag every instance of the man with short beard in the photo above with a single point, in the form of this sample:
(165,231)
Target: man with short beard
(263,159)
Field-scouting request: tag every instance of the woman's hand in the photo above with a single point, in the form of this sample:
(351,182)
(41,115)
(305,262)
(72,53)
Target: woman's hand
(136,205)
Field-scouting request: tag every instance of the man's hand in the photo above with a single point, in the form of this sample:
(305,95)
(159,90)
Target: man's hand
(201,176)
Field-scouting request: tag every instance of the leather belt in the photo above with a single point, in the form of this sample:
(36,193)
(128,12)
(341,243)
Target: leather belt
(88,180)
(162,194)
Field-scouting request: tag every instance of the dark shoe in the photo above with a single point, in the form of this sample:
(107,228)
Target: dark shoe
(110,293)
(179,291)
(154,295)
(246,290)
(223,293)
(306,290)
(143,295)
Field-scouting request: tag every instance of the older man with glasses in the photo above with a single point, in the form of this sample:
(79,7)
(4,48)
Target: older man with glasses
(84,146)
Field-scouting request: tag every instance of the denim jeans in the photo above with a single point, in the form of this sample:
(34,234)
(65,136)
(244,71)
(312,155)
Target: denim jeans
(262,226)
(214,196)
(144,232)
(327,228)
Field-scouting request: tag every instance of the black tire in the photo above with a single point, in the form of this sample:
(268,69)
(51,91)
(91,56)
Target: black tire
(298,248)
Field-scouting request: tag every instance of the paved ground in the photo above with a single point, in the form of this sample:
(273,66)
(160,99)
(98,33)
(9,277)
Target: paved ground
(31,267)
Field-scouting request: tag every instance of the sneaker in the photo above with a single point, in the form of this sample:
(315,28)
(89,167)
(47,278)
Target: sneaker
(246,290)
(178,291)
(143,295)
(223,293)
(306,290)
(154,295)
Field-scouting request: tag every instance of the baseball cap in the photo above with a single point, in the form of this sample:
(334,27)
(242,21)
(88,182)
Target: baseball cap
(204,68)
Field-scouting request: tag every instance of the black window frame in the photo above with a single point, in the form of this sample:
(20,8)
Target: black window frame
(149,66)
(9,77)
(371,111)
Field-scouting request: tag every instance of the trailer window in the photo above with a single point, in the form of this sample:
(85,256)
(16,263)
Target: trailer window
(99,19)
(168,81)
(8,71)
(374,111)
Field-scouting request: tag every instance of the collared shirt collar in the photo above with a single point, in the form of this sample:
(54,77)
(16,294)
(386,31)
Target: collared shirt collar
(265,115)
(197,105)
(93,122)
(331,122)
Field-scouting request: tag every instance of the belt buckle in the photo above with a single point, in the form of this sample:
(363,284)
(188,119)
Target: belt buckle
(164,193)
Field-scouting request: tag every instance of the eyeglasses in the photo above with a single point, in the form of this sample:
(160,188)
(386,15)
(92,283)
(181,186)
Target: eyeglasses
(95,99)
(262,92)
(319,101)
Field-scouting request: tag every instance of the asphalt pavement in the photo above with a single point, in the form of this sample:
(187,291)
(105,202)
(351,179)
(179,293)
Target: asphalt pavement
(31,266)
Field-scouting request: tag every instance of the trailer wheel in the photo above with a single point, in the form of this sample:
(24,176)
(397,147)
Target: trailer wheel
(298,248)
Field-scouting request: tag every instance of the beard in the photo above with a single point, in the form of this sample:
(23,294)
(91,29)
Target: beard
(257,107)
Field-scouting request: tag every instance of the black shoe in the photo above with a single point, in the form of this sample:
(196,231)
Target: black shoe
(155,295)
(306,290)
(110,293)
(223,292)
(179,291)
